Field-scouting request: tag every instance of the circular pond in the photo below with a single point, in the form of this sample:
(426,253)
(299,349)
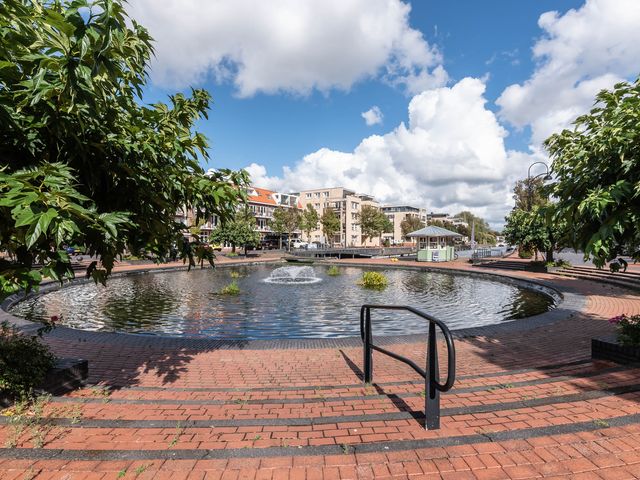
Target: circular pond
(281,302)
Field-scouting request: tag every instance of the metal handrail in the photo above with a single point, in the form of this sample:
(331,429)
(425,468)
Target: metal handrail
(433,387)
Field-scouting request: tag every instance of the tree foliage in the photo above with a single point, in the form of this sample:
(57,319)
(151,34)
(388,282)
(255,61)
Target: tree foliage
(309,221)
(532,231)
(285,220)
(239,231)
(330,222)
(83,160)
(597,176)
(373,222)
(410,224)
(528,193)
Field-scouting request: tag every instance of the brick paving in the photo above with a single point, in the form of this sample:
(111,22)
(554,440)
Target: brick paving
(527,403)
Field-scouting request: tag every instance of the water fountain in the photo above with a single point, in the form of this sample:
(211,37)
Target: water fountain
(293,275)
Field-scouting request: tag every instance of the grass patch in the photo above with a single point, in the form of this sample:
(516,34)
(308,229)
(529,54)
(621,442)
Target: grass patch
(231,289)
(374,281)
(235,274)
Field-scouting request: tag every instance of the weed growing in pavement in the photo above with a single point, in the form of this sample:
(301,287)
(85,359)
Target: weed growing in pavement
(601,423)
(141,469)
(345,448)
(176,438)
(122,473)
(28,414)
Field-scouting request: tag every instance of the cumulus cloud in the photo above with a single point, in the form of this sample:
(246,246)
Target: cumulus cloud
(450,156)
(287,45)
(373,116)
(581,52)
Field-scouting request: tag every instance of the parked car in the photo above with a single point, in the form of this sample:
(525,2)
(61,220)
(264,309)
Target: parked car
(299,244)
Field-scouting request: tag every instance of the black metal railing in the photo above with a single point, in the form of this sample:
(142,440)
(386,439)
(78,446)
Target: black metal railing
(432,385)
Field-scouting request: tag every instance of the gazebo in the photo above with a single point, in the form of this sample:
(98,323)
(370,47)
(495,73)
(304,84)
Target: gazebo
(434,243)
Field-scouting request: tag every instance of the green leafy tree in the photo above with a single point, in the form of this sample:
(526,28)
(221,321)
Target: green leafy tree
(528,193)
(597,176)
(483,232)
(310,220)
(330,224)
(278,224)
(238,232)
(410,224)
(292,221)
(532,231)
(84,161)
(369,222)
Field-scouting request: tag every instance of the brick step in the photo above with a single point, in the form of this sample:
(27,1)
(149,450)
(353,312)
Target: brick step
(471,386)
(628,274)
(597,411)
(631,278)
(393,407)
(607,453)
(631,285)
(383,401)
(335,391)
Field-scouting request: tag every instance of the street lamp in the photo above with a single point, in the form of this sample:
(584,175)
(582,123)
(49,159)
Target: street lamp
(530,179)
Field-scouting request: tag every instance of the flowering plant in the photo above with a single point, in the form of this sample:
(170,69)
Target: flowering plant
(628,328)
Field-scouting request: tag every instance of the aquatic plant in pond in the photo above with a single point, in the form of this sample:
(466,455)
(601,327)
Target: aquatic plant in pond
(333,271)
(374,280)
(231,289)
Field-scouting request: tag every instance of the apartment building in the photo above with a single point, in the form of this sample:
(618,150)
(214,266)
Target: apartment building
(263,202)
(396,214)
(446,218)
(347,204)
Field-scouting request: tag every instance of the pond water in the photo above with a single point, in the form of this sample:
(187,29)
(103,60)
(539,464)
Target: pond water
(272,304)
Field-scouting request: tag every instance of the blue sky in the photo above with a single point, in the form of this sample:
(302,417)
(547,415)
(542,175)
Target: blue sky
(291,81)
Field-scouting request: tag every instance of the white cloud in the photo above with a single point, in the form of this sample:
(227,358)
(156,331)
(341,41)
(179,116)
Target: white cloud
(287,45)
(373,116)
(450,156)
(581,52)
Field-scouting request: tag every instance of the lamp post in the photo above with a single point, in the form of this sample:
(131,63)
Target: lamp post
(530,180)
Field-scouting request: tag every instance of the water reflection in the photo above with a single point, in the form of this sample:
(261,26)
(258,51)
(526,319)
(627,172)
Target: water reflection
(188,303)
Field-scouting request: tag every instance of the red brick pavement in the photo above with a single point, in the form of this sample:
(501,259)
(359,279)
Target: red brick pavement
(526,405)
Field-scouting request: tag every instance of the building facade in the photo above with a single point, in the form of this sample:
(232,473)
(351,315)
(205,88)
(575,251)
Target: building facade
(263,202)
(347,204)
(396,214)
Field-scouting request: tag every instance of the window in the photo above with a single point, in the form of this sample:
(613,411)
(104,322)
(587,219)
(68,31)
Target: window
(317,206)
(317,194)
(355,205)
(308,195)
(325,194)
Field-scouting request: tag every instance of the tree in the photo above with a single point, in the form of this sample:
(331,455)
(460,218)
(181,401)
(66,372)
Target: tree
(330,224)
(597,172)
(532,231)
(410,224)
(529,192)
(373,223)
(309,221)
(483,233)
(238,232)
(277,224)
(83,161)
(369,221)
(291,223)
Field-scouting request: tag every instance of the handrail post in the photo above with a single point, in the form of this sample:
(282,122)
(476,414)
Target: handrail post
(368,351)
(431,392)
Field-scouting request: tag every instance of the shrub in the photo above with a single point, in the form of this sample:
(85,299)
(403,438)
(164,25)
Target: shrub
(374,280)
(628,329)
(333,271)
(24,362)
(231,289)
(525,253)
(232,254)
(235,274)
